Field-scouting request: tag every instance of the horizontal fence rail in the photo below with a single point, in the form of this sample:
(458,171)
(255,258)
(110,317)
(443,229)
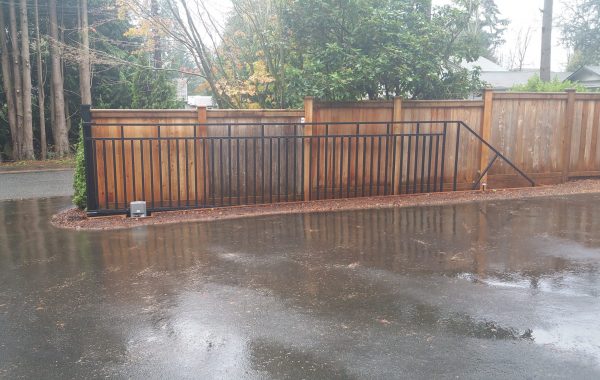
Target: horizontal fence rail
(178,166)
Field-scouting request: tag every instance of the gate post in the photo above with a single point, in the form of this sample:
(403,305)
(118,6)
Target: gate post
(308,131)
(88,154)
(567,134)
(486,133)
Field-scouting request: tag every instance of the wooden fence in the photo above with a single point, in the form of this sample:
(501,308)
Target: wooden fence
(551,137)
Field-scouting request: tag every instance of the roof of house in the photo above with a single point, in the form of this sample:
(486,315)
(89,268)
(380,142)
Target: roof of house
(503,80)
(483,64)
(584,69)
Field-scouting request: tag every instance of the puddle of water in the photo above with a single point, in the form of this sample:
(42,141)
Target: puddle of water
(302,295)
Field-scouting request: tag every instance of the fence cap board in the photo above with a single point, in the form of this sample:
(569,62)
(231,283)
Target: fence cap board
(136,114)
(355,104)
(225,113)
(530,95)
(442,103)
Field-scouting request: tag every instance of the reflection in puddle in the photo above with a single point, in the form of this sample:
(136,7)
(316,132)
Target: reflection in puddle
(369,293)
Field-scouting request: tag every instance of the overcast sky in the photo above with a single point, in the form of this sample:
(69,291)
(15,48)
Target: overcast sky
(523,13)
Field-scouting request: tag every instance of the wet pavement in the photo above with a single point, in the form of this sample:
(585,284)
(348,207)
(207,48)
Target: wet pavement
(506,289)
(36,184)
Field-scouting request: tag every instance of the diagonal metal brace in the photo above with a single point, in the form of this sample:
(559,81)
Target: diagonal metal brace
(487,168)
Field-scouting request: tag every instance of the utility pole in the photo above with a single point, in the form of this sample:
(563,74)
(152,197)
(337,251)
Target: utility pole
(546,61)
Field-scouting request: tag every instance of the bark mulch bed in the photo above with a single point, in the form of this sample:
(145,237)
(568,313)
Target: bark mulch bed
(77,219)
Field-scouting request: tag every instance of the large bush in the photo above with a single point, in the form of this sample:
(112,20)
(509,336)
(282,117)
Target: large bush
(79,184)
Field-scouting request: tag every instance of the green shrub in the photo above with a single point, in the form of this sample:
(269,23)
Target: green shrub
(79,184)
(535,84)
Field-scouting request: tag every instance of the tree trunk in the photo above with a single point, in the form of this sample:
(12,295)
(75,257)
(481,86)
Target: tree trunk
(7,84)
(27,143)
(546,61)
(40,79)
(157,53)
(59,127)
(85,76)
(17,83)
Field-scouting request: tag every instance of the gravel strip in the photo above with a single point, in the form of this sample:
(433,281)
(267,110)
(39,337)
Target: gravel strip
(77,219)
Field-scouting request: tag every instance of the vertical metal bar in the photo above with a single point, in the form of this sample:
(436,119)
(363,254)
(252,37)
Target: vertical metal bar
(435,170)
(205,173)
(123,166)
(89,154)
(378,163)
(429,163)
(133,189)
(387,142)
(423,162)
(318,174)
(270,169)
(341,194)
(301,138)
(262,162)
(356,145)
(229,153)
(169,172)
(278,168)
(326,151)
(187,174)
(105,174)
(142,169)
(371,167)
(212,184)
(237,163)
(287,167)
(456,156)
(393,183)
(114,154)
(408,160)
(310,167)
(364,165)
(221,174)
(401,173)
(246,176)
(333,172)
(416,168)
(255,176)
(152,173)
(443,157)
(196,167)
(349,161)
(160,165)
(295,142)
(178,172)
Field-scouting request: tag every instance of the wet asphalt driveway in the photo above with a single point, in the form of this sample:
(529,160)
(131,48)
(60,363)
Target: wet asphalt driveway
(507,289)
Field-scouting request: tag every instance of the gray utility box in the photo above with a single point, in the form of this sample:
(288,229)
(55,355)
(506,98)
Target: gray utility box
(137,209)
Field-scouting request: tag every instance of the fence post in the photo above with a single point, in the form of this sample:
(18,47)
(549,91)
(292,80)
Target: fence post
(567,134)
(308,131)
(202,170)
(486,133)
(396,129)
(90,179)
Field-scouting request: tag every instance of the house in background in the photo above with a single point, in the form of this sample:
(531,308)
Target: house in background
(588,76)
(501,79)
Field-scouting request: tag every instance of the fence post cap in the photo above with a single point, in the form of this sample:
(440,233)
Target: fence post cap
(571,90)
